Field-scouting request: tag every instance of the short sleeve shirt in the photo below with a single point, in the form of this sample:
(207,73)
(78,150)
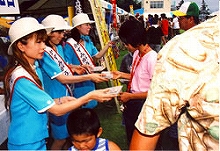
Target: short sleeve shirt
(72,58)
(143,72)
(176,23)
(90,47)
(165,26)
(50,70)
(28,113)
(186,76)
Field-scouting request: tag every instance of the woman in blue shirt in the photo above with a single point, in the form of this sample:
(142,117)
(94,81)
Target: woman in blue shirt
(80,50)
(24,94)
(58,76)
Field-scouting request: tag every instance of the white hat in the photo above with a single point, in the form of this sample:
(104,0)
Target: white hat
(80,19)
(57,22)
(23,27)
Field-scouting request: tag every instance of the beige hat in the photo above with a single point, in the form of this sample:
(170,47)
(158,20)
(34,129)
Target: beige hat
(23,27)
(80,19)
(57,22)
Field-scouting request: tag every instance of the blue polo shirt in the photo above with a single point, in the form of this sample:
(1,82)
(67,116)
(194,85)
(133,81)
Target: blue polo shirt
(81,88)
(28,113)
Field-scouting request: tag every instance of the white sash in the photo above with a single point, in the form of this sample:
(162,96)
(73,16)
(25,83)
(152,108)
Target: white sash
(20,72)
(63,66)
(59,60)
(83,56)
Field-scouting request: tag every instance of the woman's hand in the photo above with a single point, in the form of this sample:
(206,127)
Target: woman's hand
(88,68)
(110,43)
(97,78)
(78,69)
(102,95)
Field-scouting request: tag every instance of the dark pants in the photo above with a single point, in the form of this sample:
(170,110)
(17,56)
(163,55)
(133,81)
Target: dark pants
(132,108)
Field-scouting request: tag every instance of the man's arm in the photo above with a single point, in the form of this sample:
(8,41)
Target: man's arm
(143,142)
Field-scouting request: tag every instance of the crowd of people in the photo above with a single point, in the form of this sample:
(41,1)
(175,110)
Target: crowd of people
(160,28)
(187,71)
(173,83)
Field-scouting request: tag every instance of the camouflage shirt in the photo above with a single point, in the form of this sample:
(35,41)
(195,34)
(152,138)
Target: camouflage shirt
(185,88)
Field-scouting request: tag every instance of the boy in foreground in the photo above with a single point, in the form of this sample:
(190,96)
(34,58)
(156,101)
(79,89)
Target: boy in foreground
(84,128)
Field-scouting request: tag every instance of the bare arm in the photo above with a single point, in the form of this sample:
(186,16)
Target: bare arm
(143,142)
(95,77)
(113,146)
(125,96)
(103,51)
(69,103)
(119,74)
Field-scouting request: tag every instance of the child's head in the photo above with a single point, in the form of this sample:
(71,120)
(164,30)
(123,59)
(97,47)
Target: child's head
(83,126)
(133,32)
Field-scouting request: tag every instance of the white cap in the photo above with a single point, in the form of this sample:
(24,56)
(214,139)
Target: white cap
(23,27)
(80,19)
(57,22)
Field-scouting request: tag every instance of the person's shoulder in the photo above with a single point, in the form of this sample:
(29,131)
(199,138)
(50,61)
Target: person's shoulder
(113,146)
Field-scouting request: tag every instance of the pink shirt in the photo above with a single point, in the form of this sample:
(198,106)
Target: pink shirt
(143,72)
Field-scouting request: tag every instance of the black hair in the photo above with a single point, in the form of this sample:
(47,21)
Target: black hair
(83,121)
(47,42)
(154,21)
(133,32)
(163,15)
(75,34)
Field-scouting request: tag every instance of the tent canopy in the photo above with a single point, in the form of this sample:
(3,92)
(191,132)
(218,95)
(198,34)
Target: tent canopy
(139,11)
(42,8)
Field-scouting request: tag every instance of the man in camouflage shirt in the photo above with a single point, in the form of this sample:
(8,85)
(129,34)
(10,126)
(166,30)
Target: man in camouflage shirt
(184,88)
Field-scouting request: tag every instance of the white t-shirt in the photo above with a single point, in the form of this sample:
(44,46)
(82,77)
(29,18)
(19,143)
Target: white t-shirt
(176,23)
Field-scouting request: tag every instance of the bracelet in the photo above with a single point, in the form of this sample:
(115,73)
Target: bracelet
(59,101)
